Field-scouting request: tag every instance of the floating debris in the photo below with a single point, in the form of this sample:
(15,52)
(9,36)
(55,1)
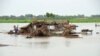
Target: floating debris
(86,30)
(2,45)
(97,32)
(42,28)
(97,25)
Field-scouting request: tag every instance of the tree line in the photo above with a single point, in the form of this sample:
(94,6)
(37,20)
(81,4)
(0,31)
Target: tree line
(48,15)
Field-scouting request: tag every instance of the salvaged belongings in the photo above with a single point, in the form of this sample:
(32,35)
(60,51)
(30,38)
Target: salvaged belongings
(42,28)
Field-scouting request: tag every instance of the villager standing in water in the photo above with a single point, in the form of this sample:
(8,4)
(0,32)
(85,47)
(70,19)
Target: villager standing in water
(16,29)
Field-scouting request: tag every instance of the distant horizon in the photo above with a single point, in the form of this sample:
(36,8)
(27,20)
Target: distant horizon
(40,7)
(53,13)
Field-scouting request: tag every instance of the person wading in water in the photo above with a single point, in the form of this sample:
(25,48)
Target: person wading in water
(16,29)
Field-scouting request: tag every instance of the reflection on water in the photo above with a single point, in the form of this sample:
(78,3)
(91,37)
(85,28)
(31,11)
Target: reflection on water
(18,45)
(68,43)
(41,44)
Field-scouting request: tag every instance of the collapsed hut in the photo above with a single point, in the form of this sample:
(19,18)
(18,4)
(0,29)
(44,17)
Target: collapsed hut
(42,28)
(35,29)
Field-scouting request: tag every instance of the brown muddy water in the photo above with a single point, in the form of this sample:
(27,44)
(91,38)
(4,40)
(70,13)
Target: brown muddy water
(18,45)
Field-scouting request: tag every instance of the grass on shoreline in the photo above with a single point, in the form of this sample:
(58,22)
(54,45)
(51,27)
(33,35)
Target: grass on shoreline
(76,20)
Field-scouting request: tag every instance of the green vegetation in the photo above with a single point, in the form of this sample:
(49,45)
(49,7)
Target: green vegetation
(14,20)
(76,20)
(49,17)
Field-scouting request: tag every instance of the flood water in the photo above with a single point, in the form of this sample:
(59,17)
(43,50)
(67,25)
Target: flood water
(18,45)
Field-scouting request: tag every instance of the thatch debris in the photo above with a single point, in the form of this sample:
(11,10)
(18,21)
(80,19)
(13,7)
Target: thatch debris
(42,28)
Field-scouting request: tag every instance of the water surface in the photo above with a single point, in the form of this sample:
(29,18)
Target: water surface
(18,45)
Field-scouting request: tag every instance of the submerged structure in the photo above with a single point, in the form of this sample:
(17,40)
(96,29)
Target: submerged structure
(42,28)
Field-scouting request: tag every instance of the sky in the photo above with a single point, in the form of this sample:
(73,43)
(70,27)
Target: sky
(40,7)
